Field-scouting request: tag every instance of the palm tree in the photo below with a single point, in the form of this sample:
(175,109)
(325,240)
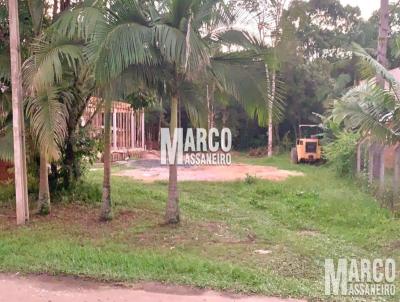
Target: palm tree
(116,37)
(270,33)
(152,45)
(183,48)
(369,108)
(48,100)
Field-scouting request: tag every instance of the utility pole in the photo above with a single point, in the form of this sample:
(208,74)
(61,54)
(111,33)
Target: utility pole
(21,187)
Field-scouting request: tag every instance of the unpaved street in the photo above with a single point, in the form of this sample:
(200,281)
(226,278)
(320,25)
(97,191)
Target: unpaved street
(64,289)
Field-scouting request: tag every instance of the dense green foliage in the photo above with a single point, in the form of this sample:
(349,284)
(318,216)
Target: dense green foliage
(341,153)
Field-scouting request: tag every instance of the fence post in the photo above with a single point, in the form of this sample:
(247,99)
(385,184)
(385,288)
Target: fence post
(371,155)
(381,163)
(360,161)
(143,130)
(396,176)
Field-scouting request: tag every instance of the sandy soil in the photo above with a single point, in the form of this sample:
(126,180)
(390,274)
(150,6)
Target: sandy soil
(65,289)
(148,169)
(210,173)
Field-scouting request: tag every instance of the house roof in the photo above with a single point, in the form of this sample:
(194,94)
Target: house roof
(396,73)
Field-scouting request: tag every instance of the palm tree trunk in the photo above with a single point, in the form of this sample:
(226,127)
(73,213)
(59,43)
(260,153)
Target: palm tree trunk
(383,37)
(106,212)
(270,122)
(21,187)
(160,121)
(172,210)
(271,89)
(44,192)
(210,105)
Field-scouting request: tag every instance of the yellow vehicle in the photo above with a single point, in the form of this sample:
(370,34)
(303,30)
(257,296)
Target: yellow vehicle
(308,147)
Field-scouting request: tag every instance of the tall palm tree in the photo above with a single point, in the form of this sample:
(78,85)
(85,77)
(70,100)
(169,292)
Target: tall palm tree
(151,44)
(117,36)
(48,100)
(178,36)
(270,34)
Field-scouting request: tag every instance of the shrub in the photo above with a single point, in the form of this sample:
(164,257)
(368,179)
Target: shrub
(341,153)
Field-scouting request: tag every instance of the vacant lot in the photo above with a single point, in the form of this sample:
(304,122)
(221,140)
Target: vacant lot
(246,236)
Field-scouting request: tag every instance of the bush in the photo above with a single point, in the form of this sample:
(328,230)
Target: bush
(7,193)
(341,153)
(82,192)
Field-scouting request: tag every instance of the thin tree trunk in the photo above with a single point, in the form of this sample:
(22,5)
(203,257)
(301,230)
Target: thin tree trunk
(210,105)
(55,8)
(44,192)
(21,187)
(383,37)
(106,212)
(270,109)
(277,135)
(160,121)
(172,210)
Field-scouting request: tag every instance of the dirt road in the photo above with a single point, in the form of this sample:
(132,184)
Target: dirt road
(15,288)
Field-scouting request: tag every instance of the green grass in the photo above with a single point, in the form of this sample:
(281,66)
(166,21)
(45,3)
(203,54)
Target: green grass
(302,221)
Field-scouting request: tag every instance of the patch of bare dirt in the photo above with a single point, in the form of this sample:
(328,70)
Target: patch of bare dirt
(234,172)
(74,216)
(308,233)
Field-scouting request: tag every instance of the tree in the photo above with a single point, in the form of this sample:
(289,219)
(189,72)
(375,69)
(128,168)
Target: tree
(48,99)
(270,29)
(383,37)
(148,46)
(370,109)
(117,37)
(190,57)
(18,117)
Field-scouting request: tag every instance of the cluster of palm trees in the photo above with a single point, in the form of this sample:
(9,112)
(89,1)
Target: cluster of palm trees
(112,49)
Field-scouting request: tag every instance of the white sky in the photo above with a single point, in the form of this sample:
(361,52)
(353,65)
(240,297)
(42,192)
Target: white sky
(367,6)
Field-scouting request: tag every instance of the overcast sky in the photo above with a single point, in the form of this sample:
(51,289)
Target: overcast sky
(367,6)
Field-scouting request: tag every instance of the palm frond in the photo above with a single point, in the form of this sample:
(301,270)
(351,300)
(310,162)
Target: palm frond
(48,118)
(369,109)
(116,46)
(6,143)
(378,68)
(45,67)
(80,21)
(243,79)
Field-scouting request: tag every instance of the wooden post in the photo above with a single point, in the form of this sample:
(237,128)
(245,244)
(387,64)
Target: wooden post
(377,165)
(125,130)
(114,129)
(133,130)
(360,160)
(381,162)
(21,188)
(396,176)
(359,157)
(371,155)
(143,131)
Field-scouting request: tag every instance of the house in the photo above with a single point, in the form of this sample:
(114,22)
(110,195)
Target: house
(127,131)
(127,127)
